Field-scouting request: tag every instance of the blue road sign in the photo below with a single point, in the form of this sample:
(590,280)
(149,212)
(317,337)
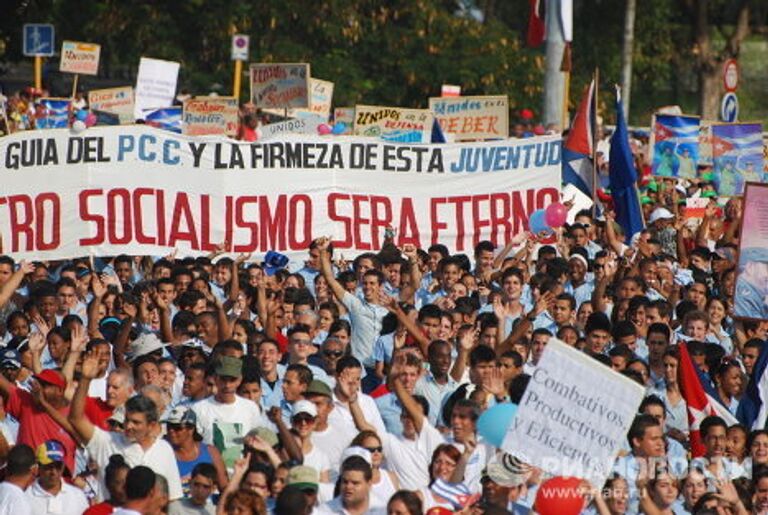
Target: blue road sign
(729,108)
(39,39)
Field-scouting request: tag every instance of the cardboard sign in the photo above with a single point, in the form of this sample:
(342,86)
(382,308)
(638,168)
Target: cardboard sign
(296,126)
(752,270)
(155,84)
(347,116)
(394,123)
(321,99)
(280,85)
(82,58)
(118,101)
(574,415)
(210,115)
(472,118)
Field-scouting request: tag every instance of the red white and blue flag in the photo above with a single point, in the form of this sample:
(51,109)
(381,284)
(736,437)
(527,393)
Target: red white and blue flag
(578,148)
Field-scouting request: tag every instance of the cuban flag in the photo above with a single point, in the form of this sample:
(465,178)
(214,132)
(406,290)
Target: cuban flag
(737,151)
(753,412)
(168,118)
(699,400)
(55,114)
(578,148)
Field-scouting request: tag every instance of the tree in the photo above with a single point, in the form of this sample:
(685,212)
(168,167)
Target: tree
(707,16)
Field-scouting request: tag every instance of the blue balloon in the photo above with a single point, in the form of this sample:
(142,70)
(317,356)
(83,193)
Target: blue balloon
(81,114)
(493,422)
(537,222)
(339,128)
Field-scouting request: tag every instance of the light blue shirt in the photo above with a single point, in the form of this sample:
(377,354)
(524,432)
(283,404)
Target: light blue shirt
(272,396)
(390,410)
(434,393)
(365,319)
(383,348)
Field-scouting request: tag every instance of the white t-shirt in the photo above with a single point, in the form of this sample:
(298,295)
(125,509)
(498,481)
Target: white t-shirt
(13,501)
(333,441)
(69,500)
(213,415)
(409,459)
(159,457)
(335,507)
(318,460)
(341,416)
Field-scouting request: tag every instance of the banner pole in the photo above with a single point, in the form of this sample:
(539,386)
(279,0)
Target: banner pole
(236,81)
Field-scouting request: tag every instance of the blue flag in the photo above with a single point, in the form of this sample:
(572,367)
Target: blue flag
(623,177)
(752,411)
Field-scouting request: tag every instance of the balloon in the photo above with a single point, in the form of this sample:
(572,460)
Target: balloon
(81,114)
(537,222)
(559,496)
(339,128)
(90,120)
(493,422)
(323,129)
(78,126)
(557,214)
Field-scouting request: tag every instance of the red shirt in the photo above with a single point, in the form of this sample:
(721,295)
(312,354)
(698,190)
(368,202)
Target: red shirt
(98,411)
(35,426)
(103,508)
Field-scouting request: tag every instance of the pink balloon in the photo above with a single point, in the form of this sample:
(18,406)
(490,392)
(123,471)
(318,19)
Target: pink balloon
(323,129)
(90,120)
(556,214)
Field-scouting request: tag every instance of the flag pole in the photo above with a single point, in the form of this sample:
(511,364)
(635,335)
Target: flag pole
(596,79)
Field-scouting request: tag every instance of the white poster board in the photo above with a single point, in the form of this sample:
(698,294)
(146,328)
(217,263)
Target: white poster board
(574,416)
(155,84)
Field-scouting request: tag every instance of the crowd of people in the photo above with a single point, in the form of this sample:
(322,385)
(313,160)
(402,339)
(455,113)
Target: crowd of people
(253,385)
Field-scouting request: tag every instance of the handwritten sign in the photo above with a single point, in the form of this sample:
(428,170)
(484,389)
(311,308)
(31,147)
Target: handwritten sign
(155,84)
(210,115)
(77,57)
(293,126)
(472,118)
(321,98)
(280,86)
(394,123)
(117,101)
(574,416)
(345,115)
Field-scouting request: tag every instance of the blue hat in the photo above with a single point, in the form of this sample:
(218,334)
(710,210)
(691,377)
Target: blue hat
(274,261)
(10,358)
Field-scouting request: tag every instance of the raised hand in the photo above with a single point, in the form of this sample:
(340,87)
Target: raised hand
(90,366)
(26,267)
(36,342)
(494,384)
(42,326)
(79,339)
(98,286)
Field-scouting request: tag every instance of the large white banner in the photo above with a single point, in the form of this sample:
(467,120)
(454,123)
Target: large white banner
(139,190)
(574,416)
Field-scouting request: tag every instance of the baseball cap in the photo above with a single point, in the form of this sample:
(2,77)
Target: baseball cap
(660,213)
(507,471)
(228,366)
(10,358)
(145,344)
(51,376)
(356,450)
(304,407)
(181,415)
(50,451)
(303,477)
(317,387)
(265,434)
(274,261)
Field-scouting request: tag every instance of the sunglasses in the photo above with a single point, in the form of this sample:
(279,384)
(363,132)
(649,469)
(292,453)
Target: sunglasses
(333,353)
(303,419)
(374,449)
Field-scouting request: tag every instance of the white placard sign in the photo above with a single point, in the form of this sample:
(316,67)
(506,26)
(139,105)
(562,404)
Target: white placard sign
(574,416)
(155,85)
